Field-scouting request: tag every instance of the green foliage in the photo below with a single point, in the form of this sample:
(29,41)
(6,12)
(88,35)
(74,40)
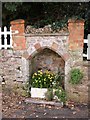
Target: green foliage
(42,79)
(59,80)
(42,23)
(75,76)
(59,24)
(61,94)
(42,13)
(47,79)
(49,94)
(12,6)
(26,88)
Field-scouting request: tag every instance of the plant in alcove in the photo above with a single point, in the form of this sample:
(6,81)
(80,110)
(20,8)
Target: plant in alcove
(49,94)
(75,76)
(26,89)
(60,94)
(45,83)
(42,79)
(59,80)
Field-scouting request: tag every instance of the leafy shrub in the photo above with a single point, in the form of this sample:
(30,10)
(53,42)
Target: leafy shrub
(59,24)
(42,79)
(75,76)
(26,89)
(61,94)
(59,80)
(49,94)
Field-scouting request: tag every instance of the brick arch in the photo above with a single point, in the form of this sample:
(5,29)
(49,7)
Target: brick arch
(36,48)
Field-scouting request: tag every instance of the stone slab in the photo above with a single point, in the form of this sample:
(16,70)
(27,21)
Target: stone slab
(43,102)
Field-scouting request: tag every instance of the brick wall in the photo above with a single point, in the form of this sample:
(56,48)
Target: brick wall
(19,42)
(76,34)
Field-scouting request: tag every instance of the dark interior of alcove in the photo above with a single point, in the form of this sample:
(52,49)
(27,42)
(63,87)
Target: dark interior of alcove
(47,59)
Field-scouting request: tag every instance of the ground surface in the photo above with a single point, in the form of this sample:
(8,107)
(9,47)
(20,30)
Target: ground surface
(14,106)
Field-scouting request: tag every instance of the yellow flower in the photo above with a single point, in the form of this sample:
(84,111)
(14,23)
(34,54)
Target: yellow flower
(44,79)
(33,76)
(41,73)
(48,75)
(35,73)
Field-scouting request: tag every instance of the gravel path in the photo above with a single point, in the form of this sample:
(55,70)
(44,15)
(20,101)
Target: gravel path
(14,106)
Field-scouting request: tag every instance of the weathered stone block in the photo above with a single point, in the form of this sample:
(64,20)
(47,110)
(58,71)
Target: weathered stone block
(38,46)
(26,55)
(54,46)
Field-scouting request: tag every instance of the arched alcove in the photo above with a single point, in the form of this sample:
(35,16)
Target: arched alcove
(47,59)
(58,51)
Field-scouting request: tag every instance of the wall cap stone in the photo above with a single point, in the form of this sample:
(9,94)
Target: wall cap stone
(18,21)
(59,34)
(76,21)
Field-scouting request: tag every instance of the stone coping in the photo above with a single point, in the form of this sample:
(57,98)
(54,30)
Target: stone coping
(51,34)
(86,63)
(43,102)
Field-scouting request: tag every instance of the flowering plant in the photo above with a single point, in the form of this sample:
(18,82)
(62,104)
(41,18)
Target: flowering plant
(42,79)
(52,81)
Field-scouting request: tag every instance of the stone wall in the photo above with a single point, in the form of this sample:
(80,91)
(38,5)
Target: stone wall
(79,92)
(11,71)
(47,29)
(10,66)
(16,64)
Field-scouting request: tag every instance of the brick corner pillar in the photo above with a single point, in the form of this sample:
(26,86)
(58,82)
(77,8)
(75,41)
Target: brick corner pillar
(76,34)
(19,42)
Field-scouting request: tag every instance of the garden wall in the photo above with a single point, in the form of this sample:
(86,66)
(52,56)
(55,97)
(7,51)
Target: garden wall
(16,64)
(10,68)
